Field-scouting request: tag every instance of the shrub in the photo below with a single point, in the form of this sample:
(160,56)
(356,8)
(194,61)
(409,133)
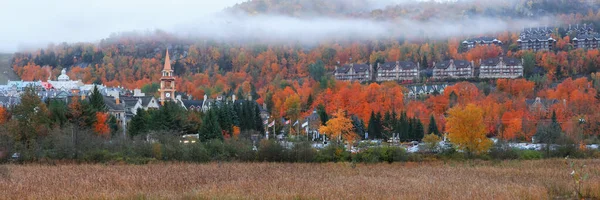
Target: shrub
(239,150)
(501,151)
(334,152)
(530,155)
(99,156)
(270,151)
(302,152)
(157,151)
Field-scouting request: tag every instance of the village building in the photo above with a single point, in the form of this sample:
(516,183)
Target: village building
(480,41)
(167,82)
(453,69)
(397,71)
(586,41)
(537,39)
(501,67)
(353,72)
(415,91)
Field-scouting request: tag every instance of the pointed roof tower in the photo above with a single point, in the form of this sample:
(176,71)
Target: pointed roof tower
(167,62)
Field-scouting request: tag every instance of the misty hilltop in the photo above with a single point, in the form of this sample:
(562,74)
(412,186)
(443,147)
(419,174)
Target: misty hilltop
(414,9)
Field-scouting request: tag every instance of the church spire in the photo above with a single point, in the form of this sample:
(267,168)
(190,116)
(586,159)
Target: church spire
(167,62)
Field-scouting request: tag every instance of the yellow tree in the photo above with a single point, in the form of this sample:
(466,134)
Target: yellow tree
(466,129)
(339,126)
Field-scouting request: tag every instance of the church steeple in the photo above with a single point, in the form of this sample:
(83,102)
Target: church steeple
(167,81)
(167,62)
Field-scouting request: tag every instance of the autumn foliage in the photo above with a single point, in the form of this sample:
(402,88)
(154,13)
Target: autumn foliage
(101,125)
(465,128)
(339,127)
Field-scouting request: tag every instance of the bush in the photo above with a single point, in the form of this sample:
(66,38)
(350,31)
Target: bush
(530,155)
(501,151)
(99,156)
(270,151)
(334,152)
(302,152)
(381,154)
(239,150)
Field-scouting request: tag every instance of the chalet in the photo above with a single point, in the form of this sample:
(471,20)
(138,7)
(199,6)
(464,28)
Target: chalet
(453,69)
(480,41)
(418,90)
(353,72)
(8,101)
(193,105)
(397,71)
(540,105)
(585,29)
(537,39)
(501,67)
(586,41)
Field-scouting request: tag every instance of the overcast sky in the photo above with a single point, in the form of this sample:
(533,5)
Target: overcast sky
(30,24)
(34,23)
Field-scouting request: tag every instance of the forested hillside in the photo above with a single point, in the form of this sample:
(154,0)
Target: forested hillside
(294,78)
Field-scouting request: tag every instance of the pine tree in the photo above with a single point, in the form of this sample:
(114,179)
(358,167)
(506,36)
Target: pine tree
(372,124)
(419,130)
(210,127)
(309,103)
(97,101)
(322,114)
(138,124)
(113,125)
(433,129)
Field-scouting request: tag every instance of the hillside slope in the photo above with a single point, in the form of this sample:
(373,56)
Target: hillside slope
(6,72)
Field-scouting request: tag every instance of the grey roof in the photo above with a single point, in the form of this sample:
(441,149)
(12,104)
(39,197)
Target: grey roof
(406,65)
(360,67)
(457,64)
(145,100)
(508,61)
(544,102)
(355,68)
(190,103)
(111,104)
(587,37)
(483,40)
(388,66)
(512,61)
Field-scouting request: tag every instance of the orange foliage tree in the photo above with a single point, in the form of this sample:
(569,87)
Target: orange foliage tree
(466,129)
(101,125)
(340,127)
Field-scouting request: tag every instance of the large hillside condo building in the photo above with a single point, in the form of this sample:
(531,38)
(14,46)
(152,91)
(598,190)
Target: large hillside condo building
(453,69)
(397,71)
(537,39)
(480,41)
(584,36)
(353,72)
(501,67)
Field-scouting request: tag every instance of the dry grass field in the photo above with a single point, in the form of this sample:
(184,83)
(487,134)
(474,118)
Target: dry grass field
(542,179)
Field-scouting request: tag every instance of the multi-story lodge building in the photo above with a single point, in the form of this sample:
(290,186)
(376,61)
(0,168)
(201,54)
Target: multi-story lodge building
(480,41)
(537,39)
(501,67)
(586,41)
(397,71)
(353,72)
(453,69)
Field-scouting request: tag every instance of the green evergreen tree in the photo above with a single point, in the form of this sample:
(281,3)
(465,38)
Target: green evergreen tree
(114,126)
(138,124)
(58,112)
(97,101)
(433,129)
(210,127)
(322,114)
(419,130)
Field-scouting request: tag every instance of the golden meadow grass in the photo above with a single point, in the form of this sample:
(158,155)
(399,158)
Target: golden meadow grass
(541,179)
